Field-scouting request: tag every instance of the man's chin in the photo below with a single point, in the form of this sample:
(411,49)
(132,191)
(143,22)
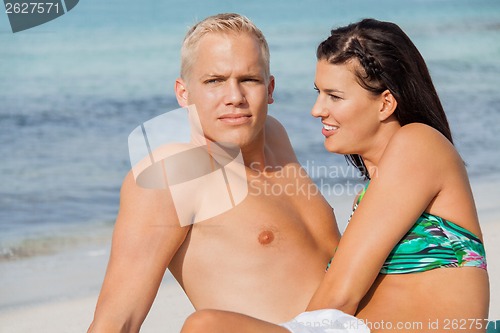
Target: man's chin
(240,140)
(232,143)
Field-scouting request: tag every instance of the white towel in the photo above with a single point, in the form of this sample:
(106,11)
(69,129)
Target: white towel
(325,321)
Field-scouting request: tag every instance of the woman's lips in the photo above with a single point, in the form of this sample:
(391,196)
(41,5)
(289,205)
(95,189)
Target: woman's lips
(329,130)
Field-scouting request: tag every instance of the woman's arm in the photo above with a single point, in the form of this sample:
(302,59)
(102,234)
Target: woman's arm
(409,176)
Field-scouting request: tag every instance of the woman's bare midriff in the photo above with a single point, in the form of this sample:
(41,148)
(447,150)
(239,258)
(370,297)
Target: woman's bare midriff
(436,301)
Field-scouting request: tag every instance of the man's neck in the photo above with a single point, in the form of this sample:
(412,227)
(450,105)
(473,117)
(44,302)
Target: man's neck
(257,155)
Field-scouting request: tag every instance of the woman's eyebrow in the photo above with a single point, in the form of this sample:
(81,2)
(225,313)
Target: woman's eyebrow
(329,91)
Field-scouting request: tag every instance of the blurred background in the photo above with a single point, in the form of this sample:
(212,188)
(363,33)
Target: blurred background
(73,89)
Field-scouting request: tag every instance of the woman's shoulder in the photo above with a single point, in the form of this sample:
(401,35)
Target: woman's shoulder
(418,138)
(419,132)
(420,147)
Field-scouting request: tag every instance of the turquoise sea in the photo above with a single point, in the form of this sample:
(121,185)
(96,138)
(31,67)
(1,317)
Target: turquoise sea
(73,89)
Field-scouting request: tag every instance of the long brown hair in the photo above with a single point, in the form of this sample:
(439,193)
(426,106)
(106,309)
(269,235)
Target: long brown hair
(389,60)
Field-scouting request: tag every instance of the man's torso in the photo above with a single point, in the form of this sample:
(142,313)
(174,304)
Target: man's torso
(266,256)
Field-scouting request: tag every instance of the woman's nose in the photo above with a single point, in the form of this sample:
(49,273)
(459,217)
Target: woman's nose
(318,110)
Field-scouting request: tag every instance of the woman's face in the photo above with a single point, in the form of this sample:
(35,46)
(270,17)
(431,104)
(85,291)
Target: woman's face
(349,113)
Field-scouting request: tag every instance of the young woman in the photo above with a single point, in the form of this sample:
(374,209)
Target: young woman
(412,257)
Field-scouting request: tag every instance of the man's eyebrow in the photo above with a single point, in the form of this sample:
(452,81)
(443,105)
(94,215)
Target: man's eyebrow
(211,76)
(251,76)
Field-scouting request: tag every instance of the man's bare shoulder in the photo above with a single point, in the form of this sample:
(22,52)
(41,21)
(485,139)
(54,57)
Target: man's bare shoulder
(146,205)
(148,171)
(274,128)
(278,141)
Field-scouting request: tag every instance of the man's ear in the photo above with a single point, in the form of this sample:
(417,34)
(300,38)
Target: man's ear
(389,105)
(270,90)
(181,92)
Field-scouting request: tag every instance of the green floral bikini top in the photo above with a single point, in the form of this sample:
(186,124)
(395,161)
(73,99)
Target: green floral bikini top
(433,242)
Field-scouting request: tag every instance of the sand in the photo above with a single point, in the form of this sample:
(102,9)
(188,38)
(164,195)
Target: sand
(171,306)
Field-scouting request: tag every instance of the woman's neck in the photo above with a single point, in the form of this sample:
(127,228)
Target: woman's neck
(374,153)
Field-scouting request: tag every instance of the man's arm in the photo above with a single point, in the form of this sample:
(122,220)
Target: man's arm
(147,235)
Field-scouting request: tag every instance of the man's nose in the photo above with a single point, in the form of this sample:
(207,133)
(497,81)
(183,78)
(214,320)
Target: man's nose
(235,93)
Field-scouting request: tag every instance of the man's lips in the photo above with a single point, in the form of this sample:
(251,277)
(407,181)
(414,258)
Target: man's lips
(235,118)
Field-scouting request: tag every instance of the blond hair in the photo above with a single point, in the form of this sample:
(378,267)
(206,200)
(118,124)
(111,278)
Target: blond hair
(220,23)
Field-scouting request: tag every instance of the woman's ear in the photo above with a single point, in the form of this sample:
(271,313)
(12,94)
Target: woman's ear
(389,105)
(181,92)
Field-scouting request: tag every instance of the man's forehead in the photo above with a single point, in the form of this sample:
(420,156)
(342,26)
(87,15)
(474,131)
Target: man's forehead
(219,52)
(212,40)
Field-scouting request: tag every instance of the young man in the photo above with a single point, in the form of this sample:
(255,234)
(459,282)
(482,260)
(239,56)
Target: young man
(266,256)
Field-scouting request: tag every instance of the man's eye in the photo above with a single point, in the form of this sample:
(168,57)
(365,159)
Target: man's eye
(251,80)
(212,81)
(335,97)
(317,90)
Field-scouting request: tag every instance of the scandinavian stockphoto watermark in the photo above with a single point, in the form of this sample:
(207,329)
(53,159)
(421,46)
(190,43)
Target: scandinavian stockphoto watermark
(265,180)
(204,178)
(355,325)
(25,15)
(207,178)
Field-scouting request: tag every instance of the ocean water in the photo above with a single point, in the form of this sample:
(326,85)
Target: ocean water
(73,89)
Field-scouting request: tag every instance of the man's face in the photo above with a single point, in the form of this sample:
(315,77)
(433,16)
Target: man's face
(229,87)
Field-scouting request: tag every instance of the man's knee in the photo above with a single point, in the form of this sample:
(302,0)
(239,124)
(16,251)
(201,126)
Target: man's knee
(202,321)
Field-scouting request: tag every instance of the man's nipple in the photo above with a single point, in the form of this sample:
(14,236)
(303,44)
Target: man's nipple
(266,237)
